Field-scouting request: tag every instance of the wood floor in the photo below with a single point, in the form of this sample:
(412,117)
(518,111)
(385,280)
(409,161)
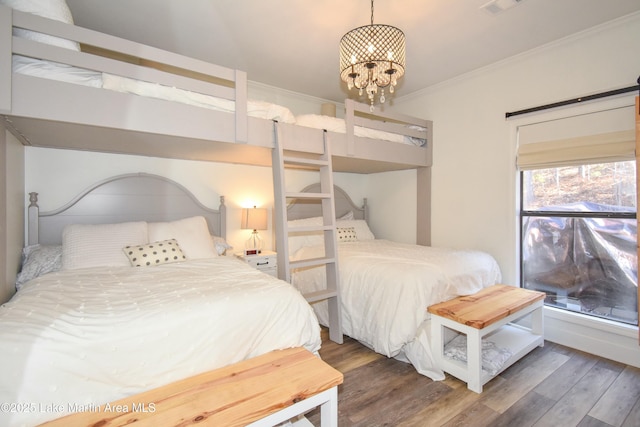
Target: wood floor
(551,386)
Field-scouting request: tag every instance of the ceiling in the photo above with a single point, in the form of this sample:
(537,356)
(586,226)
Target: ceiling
(293,44)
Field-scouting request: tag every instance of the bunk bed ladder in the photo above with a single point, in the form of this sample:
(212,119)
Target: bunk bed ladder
(286,159)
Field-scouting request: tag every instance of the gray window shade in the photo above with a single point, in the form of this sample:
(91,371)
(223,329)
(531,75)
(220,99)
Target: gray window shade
(601,137)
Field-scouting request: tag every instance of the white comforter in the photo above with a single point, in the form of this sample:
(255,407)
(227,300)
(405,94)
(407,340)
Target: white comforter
(86,337)
(386,288)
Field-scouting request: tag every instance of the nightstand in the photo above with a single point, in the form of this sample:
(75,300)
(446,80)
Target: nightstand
(266,262)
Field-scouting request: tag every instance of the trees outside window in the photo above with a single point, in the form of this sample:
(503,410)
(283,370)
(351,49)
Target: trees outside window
(579,238)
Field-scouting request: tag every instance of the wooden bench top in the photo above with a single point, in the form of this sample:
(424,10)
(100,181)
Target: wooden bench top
(487,306)
(235,395)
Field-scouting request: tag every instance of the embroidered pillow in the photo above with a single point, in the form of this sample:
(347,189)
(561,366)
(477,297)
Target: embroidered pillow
(361,227)
(347,234)
(156,253)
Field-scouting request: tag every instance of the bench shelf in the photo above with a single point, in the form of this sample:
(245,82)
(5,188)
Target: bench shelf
(487,314)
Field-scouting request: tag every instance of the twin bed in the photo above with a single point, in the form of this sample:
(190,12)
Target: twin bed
(90,331)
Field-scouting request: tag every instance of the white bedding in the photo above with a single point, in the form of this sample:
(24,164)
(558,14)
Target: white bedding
(333,124)
(69,74)
(90,336)
(386,288)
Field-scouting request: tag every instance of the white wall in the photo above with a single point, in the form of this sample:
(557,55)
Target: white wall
(474,175)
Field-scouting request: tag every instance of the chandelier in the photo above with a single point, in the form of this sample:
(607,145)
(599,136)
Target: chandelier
(372,57)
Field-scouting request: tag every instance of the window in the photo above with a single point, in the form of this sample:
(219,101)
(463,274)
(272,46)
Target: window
(578,213)
(579,238)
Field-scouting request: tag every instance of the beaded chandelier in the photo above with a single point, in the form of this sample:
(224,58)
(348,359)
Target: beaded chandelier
(372,57)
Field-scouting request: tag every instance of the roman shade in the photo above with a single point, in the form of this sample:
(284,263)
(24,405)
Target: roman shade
(600,137)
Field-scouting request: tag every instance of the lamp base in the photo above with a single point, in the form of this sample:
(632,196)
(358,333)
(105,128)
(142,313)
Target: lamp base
(253,246)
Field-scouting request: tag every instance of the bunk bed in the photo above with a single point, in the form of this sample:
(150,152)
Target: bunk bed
(124,97)
(385,287)
(88,327)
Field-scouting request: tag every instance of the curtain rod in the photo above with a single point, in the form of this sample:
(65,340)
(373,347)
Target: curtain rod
(575,100)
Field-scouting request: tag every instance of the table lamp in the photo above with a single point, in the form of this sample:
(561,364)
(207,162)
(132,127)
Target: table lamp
(254,219)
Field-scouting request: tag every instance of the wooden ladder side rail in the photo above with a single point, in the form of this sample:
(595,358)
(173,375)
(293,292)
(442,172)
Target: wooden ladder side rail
(235,395)
(280,207)
(323,165)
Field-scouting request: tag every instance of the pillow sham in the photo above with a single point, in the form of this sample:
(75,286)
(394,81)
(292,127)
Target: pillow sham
(347,234)
(100,245)
(57,10)
(38,260)
(192,234)
(156,253)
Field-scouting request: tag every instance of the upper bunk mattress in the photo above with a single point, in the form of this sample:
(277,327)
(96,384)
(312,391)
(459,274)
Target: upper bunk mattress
(69,74)
(334,124)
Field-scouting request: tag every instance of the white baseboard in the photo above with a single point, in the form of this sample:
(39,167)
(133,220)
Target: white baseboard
(604,338)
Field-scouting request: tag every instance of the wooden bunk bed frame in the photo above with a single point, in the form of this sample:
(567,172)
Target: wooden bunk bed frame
(49,113)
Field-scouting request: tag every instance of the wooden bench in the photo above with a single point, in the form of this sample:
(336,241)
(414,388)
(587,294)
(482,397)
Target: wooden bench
(262,391)
(488,313)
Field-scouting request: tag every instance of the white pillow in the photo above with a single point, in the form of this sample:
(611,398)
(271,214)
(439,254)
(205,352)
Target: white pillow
(100,245)
(299,240)
(360,226)
(192,235)
(302,239)
(52,9)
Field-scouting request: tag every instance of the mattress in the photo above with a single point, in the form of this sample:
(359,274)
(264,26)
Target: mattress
(334,124)
(386,287)
(74,339)
(69,74)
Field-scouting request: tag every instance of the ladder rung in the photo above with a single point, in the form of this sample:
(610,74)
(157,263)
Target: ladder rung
(303,161)
(311,262)
(320,295)
(308,228)
(308,195)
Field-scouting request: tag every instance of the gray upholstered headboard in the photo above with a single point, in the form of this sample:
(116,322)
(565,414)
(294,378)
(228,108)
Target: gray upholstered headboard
(304,208)
(122,198)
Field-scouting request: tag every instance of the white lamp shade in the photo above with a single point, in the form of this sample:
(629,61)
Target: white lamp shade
(254,219)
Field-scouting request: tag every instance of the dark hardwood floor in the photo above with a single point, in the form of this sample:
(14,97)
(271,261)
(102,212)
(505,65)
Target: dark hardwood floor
(551,386)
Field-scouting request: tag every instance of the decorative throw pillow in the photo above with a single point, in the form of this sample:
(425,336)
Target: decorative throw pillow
(221,245)
(361,227)
(156,253)
(53,9)
(347,234)
(38,260)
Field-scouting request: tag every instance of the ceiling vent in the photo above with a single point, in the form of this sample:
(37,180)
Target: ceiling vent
(495,7)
